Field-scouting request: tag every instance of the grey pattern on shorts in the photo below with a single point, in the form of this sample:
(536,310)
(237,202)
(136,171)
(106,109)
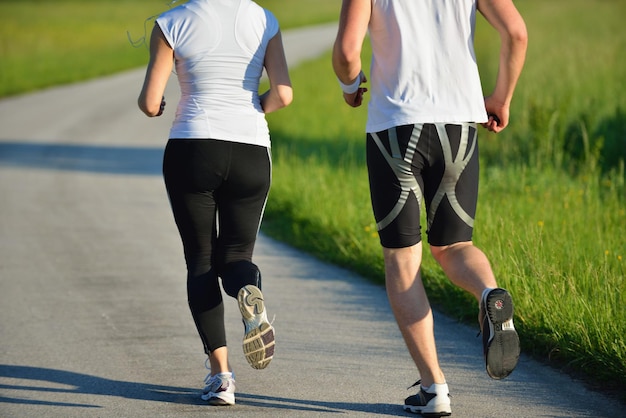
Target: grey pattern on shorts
(401,165)
(453,169)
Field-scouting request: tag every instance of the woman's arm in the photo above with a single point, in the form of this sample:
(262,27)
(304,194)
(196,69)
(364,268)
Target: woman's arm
(151,100)
(280,93)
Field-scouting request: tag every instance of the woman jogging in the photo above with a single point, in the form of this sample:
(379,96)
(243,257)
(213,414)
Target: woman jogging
(217,163)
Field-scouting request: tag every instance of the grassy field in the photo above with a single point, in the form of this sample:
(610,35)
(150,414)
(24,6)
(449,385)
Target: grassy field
(552,207)
(48,42)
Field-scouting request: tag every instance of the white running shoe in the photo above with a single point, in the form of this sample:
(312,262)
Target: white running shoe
(258,339)
(219,389)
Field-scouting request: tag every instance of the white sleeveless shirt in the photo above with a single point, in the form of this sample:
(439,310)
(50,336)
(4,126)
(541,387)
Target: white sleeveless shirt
(219,50)
(423,65)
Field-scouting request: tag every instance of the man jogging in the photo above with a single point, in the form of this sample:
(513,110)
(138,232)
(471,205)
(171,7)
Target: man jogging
(426,102)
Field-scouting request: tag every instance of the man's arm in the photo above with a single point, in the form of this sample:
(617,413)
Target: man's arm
(353,22)
(505,18)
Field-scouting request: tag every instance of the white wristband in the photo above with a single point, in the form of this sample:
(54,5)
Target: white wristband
(351,88)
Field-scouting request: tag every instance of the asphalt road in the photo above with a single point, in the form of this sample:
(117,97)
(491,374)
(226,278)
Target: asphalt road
(94,319)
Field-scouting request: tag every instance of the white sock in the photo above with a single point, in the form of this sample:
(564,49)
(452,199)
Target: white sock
(437,388)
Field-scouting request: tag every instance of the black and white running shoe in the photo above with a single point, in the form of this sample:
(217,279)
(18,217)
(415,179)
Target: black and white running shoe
(500,340)
(429,402)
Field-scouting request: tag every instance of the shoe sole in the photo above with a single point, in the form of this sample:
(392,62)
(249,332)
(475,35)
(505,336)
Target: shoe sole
(215,401)
(502,348)
(258,339)
(419,410)
(219,399)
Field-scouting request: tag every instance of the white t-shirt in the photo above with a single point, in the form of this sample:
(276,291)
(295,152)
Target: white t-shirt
(219,50)
(423,66)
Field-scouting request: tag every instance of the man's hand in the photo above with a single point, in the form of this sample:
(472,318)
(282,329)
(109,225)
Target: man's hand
(356,99)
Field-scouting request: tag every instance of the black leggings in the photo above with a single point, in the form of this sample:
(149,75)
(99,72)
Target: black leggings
(217,191)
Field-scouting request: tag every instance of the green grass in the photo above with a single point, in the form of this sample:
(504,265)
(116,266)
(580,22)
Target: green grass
(569,105)
(47,42)
(552,206)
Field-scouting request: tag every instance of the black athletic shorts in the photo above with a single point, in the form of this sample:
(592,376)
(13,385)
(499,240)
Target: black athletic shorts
(436,163)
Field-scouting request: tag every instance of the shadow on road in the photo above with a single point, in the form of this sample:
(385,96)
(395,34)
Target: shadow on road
(63,382)
(89,158)
(32,380)
(306,405)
